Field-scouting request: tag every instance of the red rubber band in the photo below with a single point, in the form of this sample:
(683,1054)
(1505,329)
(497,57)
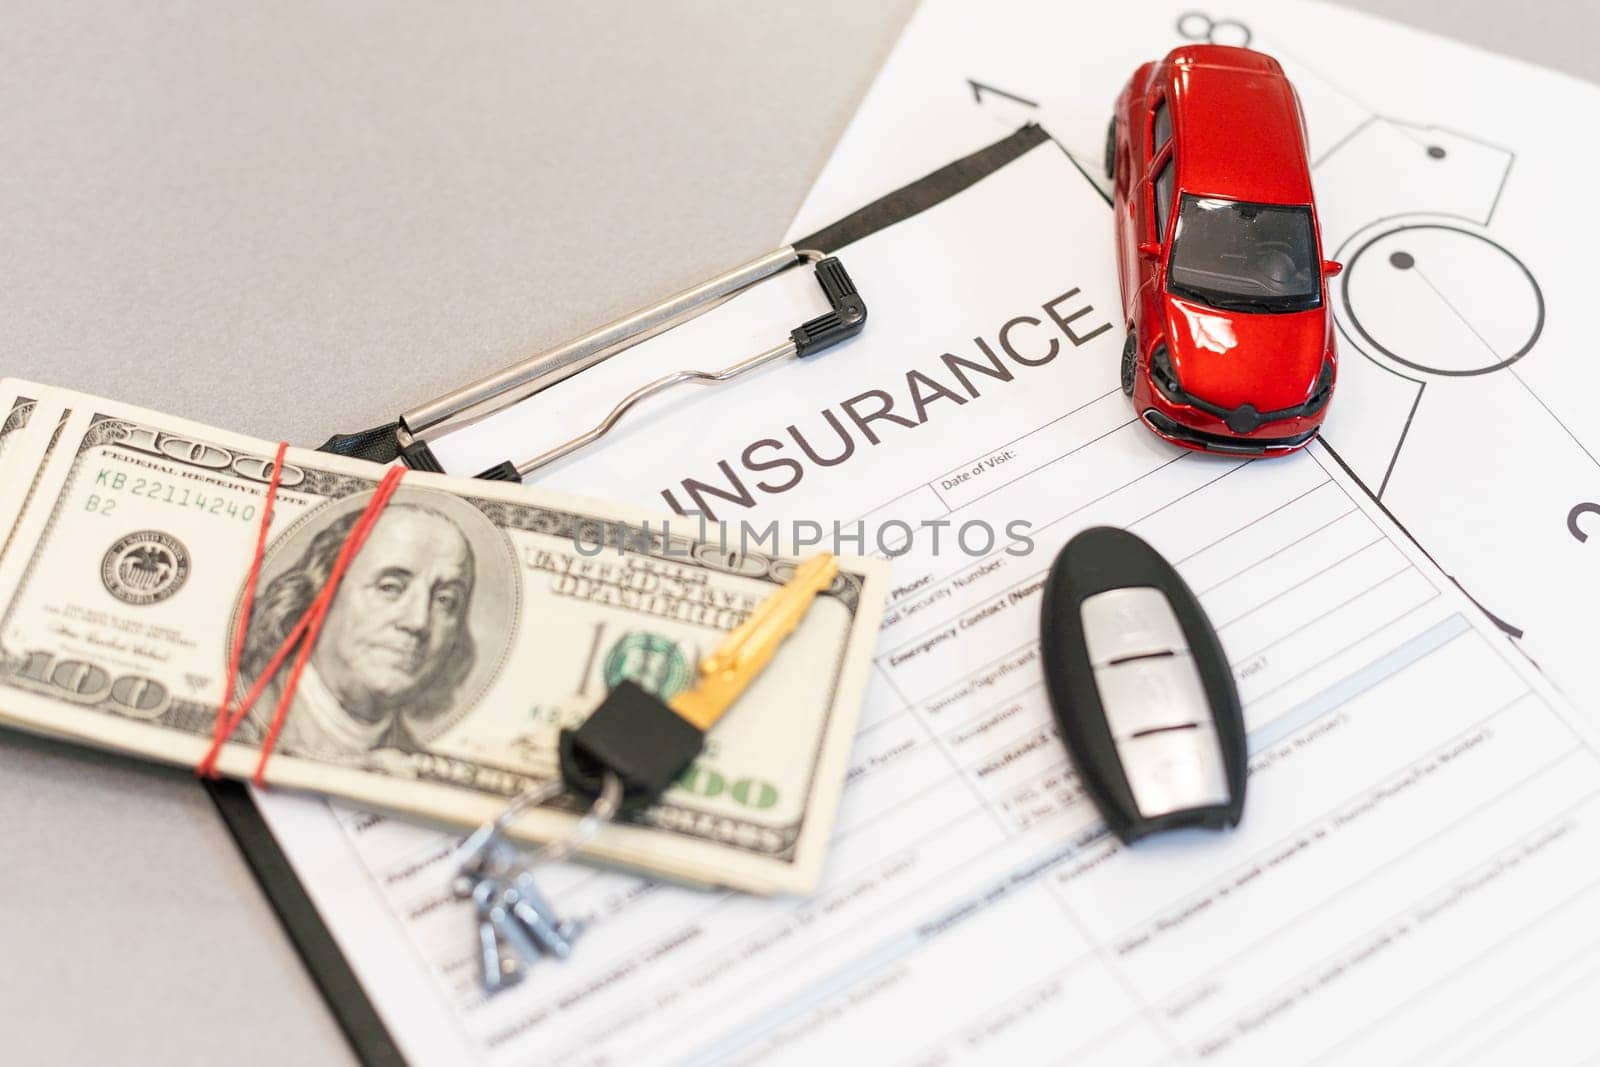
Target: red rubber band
(308,627)
(318,612)
(301,626)
(207,767)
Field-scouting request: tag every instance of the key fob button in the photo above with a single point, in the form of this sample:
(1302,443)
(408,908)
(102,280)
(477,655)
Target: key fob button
(1174,770)
(1143,695)
(1151,694)
(1120,623)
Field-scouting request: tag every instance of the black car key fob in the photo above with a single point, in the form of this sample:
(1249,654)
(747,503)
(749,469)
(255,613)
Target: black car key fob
(1140,687)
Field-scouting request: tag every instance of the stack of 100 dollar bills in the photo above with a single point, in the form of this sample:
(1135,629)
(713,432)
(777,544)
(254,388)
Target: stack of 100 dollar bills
(477,620)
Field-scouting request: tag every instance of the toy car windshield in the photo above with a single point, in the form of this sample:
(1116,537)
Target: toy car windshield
(1239,256)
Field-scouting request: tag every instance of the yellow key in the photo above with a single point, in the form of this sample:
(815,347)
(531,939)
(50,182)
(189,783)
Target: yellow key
(748,648)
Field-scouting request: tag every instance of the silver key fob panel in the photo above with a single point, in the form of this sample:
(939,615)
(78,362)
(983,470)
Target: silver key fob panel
(1141,690)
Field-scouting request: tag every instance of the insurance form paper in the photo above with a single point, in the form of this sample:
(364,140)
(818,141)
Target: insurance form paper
(1414,872)
(1445,178)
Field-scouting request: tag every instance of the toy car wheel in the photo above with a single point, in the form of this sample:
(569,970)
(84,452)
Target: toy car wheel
(1111,149)
(1130,351)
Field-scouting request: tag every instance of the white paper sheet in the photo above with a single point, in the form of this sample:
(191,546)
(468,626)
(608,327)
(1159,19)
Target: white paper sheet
(1466,381)
(1414,870)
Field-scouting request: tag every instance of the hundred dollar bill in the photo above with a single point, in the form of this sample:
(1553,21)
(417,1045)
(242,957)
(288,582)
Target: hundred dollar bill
(477,620)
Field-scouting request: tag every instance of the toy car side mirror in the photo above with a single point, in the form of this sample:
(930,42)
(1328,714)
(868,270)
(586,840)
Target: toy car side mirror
(1149,250)
(1330,267)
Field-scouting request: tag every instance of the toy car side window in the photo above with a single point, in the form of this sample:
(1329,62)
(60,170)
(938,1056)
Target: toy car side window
(1162,187)
(1161,127)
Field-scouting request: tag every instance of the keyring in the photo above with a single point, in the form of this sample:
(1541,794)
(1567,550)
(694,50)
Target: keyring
(632,747)
(516,925)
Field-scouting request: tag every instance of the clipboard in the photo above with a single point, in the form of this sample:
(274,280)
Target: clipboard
(399,439)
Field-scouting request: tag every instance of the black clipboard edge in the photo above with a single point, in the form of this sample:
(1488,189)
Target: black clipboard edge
(369,1038)
(928,191)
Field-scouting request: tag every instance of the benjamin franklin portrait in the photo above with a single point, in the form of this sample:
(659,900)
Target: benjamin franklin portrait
(419,626)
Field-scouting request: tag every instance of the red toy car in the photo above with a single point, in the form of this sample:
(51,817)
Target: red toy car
(1230,343)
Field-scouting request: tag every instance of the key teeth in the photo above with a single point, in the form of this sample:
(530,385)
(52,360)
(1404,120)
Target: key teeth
(550,936)
(489,964)
(567,932)
(502,961)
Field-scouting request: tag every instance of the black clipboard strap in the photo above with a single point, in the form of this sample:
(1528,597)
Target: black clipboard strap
(379,444)
(924,193)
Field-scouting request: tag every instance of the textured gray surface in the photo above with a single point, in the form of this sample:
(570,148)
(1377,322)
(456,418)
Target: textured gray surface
(296,217)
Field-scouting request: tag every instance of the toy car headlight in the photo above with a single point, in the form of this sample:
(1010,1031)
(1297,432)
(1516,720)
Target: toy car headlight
(1164,376)
(1324,389)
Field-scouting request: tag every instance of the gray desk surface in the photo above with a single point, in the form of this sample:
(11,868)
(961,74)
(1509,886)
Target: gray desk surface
(293,218)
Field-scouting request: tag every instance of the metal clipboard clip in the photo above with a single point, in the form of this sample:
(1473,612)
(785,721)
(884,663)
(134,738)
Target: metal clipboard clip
(846,314)
(408,437)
